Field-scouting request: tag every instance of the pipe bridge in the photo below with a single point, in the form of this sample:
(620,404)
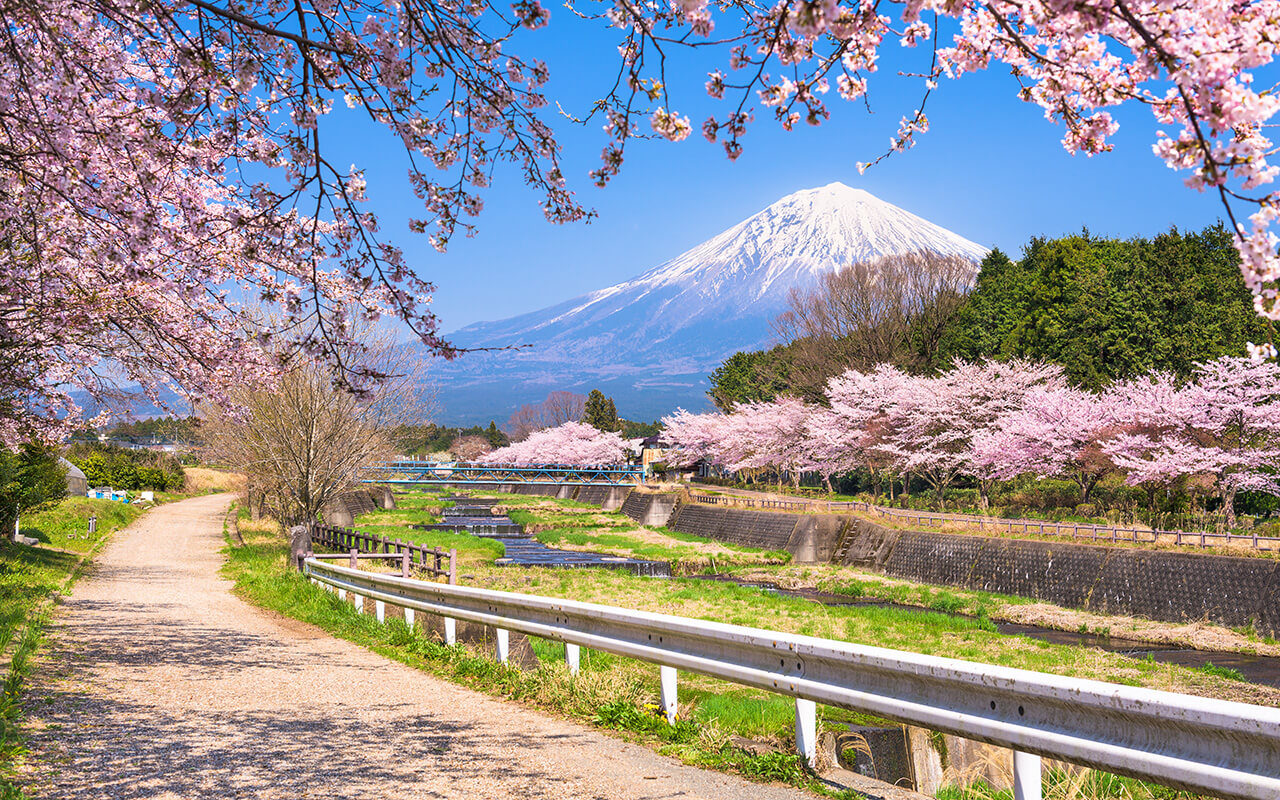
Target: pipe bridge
(436,473)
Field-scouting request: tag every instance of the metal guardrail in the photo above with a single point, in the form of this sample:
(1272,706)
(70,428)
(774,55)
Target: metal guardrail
(431,473)
(1073,530)
(1221,748)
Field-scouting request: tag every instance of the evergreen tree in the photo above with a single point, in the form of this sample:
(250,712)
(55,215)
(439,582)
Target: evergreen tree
(1106,309)
(600,412)
(496,437)
(29,479)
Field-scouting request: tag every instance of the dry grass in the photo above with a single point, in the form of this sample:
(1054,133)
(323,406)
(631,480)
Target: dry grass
(1198,635)
(202,480)
(915,631)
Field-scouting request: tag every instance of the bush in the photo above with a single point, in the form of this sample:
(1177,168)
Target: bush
(128,470)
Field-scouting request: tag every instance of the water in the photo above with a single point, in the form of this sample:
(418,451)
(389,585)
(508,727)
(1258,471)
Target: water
(1263,670)
(525,551)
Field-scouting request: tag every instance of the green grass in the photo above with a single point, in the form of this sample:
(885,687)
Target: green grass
(920,630)
(610,692)
(66,525)
(472,550)
(679,555)
(1209,668)
(28,577)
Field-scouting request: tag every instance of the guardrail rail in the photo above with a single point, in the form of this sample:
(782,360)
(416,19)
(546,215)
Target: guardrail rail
(1218,747)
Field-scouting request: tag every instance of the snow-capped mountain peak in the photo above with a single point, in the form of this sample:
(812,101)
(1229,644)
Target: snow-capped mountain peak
(690,313)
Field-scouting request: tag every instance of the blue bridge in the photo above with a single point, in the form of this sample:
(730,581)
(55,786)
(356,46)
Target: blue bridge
(428,472)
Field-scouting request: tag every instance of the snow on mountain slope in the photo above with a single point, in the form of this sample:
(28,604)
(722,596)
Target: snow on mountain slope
(690,313)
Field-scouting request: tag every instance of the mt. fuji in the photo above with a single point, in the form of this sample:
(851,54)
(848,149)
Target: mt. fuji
(650,341)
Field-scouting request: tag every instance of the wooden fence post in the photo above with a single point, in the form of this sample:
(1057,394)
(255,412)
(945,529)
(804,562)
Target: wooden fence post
(404,564)
(453,566)
(355,562)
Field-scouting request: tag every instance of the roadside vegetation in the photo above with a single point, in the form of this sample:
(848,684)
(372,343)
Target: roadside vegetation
(621,695)
(30,578)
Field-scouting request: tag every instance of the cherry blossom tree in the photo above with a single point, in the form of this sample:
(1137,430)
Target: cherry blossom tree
(166,173)
(165,178)
(1224,423)
(857,426)
(571,443)
(1058,432)
(768,435)
(698,436)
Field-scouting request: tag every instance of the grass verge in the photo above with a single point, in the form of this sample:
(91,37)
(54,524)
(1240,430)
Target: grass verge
(29,579)
(610,692)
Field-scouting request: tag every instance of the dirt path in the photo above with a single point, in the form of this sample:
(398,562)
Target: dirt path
(158,683)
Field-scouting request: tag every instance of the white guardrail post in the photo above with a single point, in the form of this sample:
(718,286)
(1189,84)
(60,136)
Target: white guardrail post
(503,643)
(572,655)
(670,698)
(807,730)
(1218,747)
(1027,782)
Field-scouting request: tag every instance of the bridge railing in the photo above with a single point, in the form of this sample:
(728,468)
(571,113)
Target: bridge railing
(1222,748)
(1074,530)
(427,472)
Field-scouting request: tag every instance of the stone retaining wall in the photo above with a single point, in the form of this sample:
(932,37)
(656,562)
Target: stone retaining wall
(343,509)
(650,508)
(809,538)
(1158,584)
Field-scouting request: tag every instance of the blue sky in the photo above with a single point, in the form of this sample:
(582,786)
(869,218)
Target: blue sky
(991,169)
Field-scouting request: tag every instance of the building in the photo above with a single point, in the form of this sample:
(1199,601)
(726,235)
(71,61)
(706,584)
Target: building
(77,483)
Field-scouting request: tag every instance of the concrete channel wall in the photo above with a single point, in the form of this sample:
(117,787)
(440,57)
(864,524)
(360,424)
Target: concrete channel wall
(809,538)
(1158,584)
(1234,591)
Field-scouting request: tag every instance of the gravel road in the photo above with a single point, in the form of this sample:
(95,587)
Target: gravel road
(158,683)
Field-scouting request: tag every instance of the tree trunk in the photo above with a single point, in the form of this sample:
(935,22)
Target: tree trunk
(984,496)
(1229,507)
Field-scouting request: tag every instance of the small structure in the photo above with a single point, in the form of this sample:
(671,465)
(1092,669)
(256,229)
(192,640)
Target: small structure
(77,483)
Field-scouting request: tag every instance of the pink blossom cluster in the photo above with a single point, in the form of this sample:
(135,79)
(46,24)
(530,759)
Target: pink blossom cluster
(1197,65)
(170,218)
(996,421)
(573,443)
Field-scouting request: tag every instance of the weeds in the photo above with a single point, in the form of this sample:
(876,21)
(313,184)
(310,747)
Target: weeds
(1209,668)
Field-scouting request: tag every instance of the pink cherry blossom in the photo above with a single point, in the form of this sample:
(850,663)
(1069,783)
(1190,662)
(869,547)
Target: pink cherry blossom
(571,443)
(170,217)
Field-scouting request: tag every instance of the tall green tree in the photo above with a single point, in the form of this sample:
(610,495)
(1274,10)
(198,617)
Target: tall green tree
(600,413)
(1106,309)
(30,478)
(496,437)
(750,376)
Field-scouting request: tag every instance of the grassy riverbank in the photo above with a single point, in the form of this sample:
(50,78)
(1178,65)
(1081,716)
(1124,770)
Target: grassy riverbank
(29,579)
(620,694)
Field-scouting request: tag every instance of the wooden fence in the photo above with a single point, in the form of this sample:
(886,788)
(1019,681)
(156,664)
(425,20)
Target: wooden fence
(354,545)
(1074,530)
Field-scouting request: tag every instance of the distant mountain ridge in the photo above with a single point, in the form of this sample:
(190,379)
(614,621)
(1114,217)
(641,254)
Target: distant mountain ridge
(651,341)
